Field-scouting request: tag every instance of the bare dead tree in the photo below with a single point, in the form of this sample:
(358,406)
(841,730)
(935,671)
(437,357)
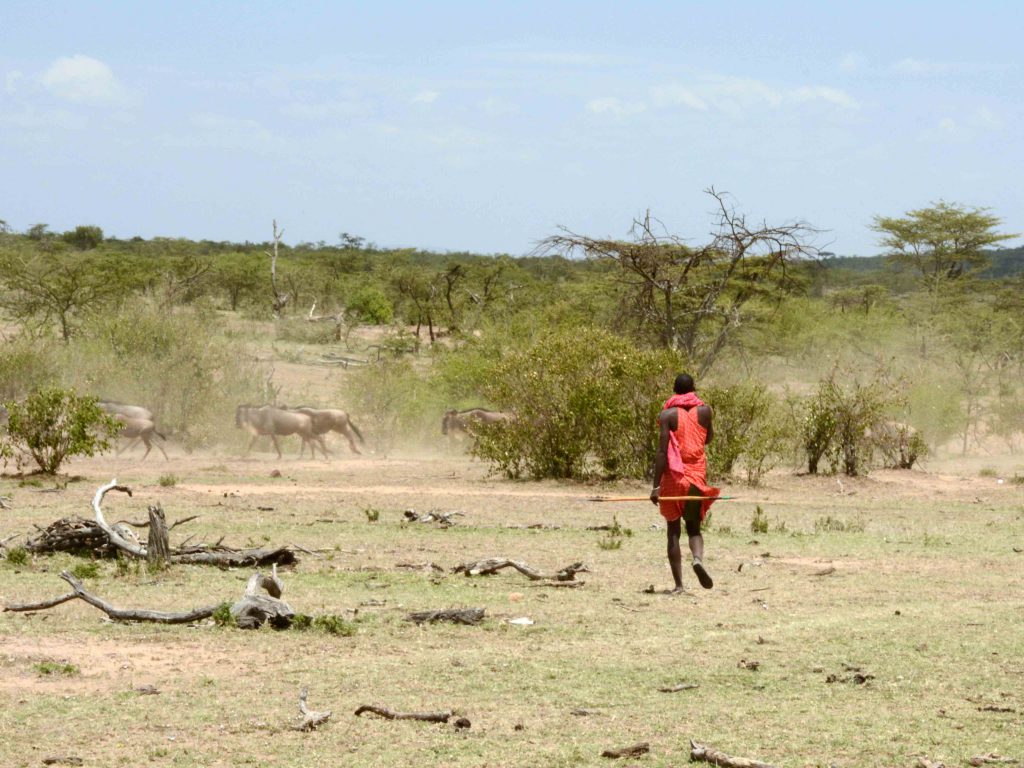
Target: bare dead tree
(693,298)
(279,299)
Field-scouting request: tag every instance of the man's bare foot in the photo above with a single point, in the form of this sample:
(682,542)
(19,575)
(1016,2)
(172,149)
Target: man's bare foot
(702,575)
(677,591)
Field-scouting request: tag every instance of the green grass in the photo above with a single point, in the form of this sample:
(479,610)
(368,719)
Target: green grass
(952,647)
(56,668)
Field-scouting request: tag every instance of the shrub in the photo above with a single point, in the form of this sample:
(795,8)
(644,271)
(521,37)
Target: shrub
(174,363)
(222,615)
(369,304)
(750,427)
(17,556)
(88,570)
(838,419)
(829,524)
(328,624)
(168,481)
(584,400)
(372,514)
(56,668)
(759,522)
(26,364)
(52,425)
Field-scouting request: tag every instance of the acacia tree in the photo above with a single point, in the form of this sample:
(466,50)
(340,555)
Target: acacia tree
(692,299)
(45,287)
(943,243)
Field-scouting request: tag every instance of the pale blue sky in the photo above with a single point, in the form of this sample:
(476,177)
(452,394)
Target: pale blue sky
(483,126)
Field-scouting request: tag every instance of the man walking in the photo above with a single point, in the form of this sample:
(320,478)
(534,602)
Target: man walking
(680,469)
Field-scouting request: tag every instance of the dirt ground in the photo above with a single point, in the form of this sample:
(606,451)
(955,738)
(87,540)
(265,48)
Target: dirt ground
(912,580)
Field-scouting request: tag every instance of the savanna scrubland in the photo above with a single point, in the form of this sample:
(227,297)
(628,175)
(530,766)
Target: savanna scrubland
(863,614)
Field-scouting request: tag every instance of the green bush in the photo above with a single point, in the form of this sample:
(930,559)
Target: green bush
(369,304)
(585,401)
(759,522)
(88,570)
(751,428)
(26,364)
(52,425)
(174,363)
(17,556)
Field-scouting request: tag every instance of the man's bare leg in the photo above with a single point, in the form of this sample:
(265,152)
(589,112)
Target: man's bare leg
(675,556)
(696,540)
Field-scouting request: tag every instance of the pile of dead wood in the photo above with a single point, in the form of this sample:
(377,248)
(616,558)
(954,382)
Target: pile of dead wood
(100,539)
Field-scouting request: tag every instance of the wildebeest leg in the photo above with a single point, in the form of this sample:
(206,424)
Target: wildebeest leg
(251,444)
(166,457)
(277,446)
(323,447)
(351,441)
(149,446)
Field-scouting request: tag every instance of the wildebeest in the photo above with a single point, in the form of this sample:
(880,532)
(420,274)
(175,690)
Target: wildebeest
(463,422)
(331,420)
(139,429)
(277,422)
(900,444)
(115,408)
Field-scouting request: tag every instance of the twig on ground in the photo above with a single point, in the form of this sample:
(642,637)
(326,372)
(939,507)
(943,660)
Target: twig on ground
(310,720)
(470,616)
(679,687)
(389,714)
(635,750)
(703,753)
(492,565)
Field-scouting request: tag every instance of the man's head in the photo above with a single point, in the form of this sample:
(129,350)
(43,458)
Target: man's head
(684,384)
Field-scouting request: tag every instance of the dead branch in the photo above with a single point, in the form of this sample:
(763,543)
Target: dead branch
(990,758)
(158,547)
(702,753)
(131,614)
(443,519)
(492,565)
(679,687)
(40,606)
(634,751)
(5,502)
(310,720)
(469,616)
(389,714)
(115,537)
(254,609)
(924,762)
(279,299)
(433,567)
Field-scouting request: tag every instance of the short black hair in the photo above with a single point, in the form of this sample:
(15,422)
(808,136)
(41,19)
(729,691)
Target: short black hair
(684,384)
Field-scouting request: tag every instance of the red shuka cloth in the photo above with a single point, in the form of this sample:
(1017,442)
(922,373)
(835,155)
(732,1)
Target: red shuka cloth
(687,462)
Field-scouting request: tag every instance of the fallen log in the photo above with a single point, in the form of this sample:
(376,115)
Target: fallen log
(636,750)
(492,565)
(679,687)
(117,614)
(254,610)
(469,616)
(992,758)
(310,720)
(443,519)
(706,754)
(389,714)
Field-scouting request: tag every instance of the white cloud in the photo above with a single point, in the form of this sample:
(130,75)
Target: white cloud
(496,107)
(677,95)
(425,97)
(947,125)
(222,132)
(852,62)
(609,105)
(83,80)
(325,110)
(920,67)
(11,80)
(824,93)
(986,119)
(738,95)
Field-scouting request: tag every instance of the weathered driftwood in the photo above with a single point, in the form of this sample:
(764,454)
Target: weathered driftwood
(679,687)
(636,750)
(390,714)
(443,519)
(992,758)
(706,754)
(310,719)
(469,616)
(255,609)
(158,547)
(492,565)
(75,534)
(117,614)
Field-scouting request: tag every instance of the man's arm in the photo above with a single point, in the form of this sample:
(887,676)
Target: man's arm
(665,419)
(704,419)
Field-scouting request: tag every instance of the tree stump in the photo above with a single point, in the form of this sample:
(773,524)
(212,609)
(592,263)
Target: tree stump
(158,547)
